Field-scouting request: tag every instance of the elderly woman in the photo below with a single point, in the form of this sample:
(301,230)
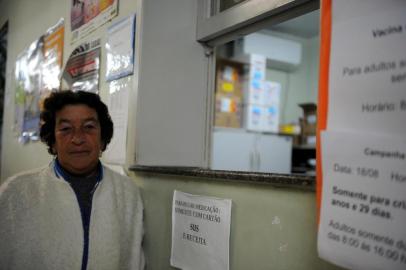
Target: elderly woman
(74,213)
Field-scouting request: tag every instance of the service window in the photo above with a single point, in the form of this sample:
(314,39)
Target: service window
(234,89)
(265,91)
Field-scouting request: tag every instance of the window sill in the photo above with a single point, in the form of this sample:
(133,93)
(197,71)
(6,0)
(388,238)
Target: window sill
(278,180)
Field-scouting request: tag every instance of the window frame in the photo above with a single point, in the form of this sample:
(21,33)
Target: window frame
(240,20)
(215,28)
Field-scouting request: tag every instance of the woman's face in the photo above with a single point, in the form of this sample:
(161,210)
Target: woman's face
(78,139)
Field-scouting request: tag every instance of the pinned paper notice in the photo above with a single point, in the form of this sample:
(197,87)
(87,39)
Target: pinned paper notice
(120,49)
(362,170)
(200,232)
(367,88)
(364,201)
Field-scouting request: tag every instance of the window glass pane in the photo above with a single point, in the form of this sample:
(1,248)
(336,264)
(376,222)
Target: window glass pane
(226,4)
(266,99)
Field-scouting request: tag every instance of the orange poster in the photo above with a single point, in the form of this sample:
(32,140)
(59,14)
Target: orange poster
(323,90)
(53,56)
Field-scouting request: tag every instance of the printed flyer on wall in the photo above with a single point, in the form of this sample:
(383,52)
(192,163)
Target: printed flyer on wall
(81,72)
(37,73)
(120,48)
(87,15)
(117,102)
(361,183)
(200,232)
(53,56)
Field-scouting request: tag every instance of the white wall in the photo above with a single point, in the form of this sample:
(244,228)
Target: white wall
(302,83)
(171,128)
(313,48)
(271,228)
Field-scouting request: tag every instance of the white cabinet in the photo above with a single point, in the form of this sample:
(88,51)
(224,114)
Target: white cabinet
(238,150)
(274,153)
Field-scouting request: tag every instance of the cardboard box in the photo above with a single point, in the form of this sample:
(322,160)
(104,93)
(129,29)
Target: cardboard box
(271,118)
(308,124)
(306,128)
(254,117)
(228,111)
(309,140)
(226,103)
(261,118)
(229,78)
(230,120)
(309,112)
(228,88)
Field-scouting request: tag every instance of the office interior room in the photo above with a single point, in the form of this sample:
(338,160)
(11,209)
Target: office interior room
(266,99)
(197,120)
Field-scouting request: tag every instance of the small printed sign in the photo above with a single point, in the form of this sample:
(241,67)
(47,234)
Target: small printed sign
(200,232)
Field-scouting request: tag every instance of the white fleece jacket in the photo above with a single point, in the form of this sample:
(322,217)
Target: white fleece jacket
(41,225)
